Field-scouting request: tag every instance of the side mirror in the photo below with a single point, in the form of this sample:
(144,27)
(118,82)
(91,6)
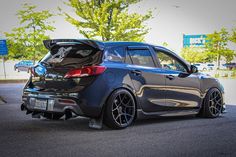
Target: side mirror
(193,69)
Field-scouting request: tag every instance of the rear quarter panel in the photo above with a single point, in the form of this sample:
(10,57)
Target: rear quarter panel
(95,95)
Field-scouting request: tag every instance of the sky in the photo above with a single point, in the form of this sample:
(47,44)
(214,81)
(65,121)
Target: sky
(171,18)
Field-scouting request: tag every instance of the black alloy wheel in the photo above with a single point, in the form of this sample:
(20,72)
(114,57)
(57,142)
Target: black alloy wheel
(213,104)
(120,110)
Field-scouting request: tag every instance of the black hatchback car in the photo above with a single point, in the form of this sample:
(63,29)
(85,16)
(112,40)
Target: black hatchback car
(116,82)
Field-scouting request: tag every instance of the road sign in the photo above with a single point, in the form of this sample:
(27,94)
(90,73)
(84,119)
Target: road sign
(3,47)
(194,40)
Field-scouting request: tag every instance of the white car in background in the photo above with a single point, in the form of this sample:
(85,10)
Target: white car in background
(211,66)
(201,66)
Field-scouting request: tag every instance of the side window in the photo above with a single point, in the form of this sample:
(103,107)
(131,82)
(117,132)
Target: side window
(170,63)
(116,54)
(141,57)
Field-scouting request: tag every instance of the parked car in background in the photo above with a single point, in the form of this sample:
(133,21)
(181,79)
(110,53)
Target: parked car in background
(24,65)
(211,66)
(201,66)
(230,66)
(223,67)
(116,82)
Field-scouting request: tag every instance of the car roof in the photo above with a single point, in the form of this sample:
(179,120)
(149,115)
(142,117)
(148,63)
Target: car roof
(100,44)
(122,43)
(130,43)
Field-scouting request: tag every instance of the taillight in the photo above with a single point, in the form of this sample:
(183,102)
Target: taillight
(85,71)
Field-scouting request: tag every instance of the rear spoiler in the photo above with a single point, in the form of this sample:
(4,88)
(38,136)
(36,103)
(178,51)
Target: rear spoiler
(92,43)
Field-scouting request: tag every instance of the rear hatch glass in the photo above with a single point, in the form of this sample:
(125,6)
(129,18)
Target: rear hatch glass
(77,55)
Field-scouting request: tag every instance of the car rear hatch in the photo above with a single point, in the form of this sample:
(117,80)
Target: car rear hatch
(69,66)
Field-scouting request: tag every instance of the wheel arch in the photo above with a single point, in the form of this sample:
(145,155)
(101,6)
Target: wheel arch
(206,92)
(130,90)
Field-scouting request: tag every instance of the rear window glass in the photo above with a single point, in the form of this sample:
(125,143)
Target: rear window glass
(141,57)
(59,53)
(73,56)
(116,54)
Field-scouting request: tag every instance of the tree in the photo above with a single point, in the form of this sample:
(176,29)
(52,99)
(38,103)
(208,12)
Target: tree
(165,44)
(217,46)
(233,37)
(25,42)
(194,55)
(108,20)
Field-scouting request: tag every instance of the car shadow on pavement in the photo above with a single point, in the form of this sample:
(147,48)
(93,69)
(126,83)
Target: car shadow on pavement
(81,124)
(160,119)
(45,125)
(170,119)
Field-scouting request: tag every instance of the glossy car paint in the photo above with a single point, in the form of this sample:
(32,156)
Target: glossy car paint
(156,91)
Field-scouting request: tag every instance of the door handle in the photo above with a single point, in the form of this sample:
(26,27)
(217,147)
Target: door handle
(136,72)
(170,77)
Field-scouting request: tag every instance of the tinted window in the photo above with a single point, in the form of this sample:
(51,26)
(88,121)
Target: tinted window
(169,62)
(68,54)
(72,51)
(116,54)
(72,55)
(141,57)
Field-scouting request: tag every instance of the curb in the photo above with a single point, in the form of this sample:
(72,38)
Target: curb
(13,81)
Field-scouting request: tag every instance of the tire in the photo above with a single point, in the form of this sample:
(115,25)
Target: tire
(52,116)
(120,109)
(212,104)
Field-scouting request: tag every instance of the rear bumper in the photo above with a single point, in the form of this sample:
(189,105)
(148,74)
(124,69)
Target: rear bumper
(59,103)
(51,103)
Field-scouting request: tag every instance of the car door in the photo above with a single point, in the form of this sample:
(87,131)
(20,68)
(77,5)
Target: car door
(149,82)
(182,88)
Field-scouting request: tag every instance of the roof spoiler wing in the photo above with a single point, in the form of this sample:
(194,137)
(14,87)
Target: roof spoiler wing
(92,43)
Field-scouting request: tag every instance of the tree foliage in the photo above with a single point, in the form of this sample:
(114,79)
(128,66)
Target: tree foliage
(233,37)
(194,55)
(108,20)
(217,46)
(25,42)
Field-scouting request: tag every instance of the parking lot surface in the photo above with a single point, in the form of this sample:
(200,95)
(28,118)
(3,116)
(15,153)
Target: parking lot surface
(20,135)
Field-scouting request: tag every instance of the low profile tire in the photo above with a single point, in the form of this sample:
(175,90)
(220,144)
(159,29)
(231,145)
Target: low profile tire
(120,109)
(213,104)
(52,116)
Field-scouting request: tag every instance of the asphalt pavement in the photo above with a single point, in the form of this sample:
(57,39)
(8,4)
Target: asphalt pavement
(20,135)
